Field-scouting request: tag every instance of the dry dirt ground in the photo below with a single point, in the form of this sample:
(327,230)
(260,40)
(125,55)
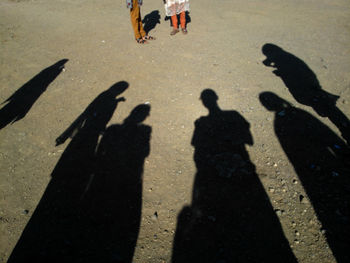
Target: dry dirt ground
(113,191)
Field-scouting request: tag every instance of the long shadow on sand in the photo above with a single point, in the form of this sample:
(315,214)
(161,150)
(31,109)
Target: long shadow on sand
(231,218)
(115,198)
(319,159)
(90,211)
(19,103)
(304,86)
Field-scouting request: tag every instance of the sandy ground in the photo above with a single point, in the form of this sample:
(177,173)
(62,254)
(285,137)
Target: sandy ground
(222,52)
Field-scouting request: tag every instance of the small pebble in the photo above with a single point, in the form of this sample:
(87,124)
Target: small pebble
(25,212)
(155,216)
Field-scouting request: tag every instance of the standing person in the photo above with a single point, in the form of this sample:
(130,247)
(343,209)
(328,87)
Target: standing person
(136,21)
(174,8)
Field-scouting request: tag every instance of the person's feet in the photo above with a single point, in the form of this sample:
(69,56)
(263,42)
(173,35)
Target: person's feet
(147,37)
(141,41)
(175,31)
(184,31)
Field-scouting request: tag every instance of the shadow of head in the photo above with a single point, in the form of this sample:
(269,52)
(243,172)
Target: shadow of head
(272,102)
(272,53)
(118,88)
(154,16)
(271,50)
(209,98)
(50,73)
(60,64)
(138,114)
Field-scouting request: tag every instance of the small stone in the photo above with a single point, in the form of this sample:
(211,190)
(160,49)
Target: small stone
(25,212)
(212,218)
(335,174)
(279,212)
(295,181)
(155,216)
(282,113)
(271,189)
(303,200)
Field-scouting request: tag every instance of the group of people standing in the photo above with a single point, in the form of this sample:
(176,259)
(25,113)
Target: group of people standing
(173,8)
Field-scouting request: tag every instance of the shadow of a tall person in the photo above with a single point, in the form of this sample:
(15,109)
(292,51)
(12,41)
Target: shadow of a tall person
(304,86)
(319,159)
(115,197)
(56,231)
(18,104)
(230,218)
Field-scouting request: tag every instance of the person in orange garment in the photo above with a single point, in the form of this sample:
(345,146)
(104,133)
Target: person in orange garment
(174,8)
(136,21)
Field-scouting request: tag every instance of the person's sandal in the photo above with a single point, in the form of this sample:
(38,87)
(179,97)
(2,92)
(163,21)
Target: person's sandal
(147,37)
(184,31)
(175,31)
(141,41)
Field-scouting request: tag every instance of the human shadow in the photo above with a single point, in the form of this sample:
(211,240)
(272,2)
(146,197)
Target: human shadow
(114,200)
(19,103)
(319,159)
(57,230)
(231,218)
(304,86)
(151,20)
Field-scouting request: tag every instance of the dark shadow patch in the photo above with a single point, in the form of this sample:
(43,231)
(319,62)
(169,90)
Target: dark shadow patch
(19,103)
(304,86)
(321,160)
(151,20)
(90,211)
(230,218)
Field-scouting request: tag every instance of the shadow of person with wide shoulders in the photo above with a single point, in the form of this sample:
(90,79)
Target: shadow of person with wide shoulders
(231,218)
(114,199)
(57,231)
(319,159)
(304,86)
(18,104)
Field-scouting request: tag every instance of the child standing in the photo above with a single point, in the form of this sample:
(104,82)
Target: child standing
(136,21)
(174,8)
